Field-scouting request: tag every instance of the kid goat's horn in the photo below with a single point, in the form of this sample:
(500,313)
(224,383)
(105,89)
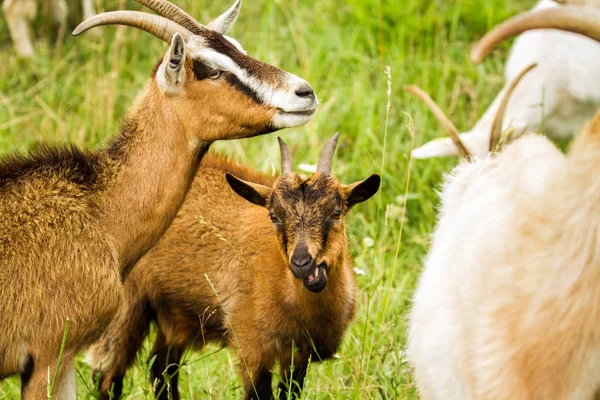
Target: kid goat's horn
(286,158)
(324,165)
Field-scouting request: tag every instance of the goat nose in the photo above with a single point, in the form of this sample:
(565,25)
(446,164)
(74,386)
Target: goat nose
(301,259)
(305,91)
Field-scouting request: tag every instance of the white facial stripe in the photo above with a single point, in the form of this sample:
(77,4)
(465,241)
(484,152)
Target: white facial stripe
(264,91)
(234,42)
(218,61)
(283,99)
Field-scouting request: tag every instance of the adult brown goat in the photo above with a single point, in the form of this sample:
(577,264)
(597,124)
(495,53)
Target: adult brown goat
(265,274)
(73,223)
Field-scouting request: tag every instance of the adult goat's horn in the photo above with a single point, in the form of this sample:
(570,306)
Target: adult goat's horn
(441,117)
(576,19)
(169,10)
(158,26)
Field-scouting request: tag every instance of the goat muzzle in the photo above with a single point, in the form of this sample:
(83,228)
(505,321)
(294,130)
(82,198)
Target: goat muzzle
(317,280)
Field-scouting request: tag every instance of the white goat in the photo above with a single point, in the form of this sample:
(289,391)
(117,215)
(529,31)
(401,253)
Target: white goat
(20,13)
(508,306)
(561,94)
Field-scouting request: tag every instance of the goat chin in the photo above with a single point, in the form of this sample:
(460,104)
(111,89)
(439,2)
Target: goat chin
(566,82)
(464,305)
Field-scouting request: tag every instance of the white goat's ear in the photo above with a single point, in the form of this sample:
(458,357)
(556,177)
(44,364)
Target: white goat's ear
(172,72)
(223,23)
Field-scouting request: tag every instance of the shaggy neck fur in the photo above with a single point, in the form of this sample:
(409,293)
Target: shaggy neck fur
(153,170)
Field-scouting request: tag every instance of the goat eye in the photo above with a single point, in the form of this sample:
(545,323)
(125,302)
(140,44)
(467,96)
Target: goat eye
(337,214)
(215,75)
(274,218)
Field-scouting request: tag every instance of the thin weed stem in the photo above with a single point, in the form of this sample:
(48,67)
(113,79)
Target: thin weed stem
(60,356)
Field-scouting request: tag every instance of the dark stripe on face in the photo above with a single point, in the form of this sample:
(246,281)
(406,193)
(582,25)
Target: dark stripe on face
(253,67)
(325,232)
(274,204)
(239,85)
(218,43)
(292,194)
(284,239)
(328,208)
(201,70)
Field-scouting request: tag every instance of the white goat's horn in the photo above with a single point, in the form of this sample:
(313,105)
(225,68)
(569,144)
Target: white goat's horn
(441,117)
(286,158)
(324,165)
(576,19)
(496,133)
(158,26)
(169,10)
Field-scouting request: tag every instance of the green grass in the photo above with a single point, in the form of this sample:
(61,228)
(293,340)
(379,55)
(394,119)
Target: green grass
(78,93)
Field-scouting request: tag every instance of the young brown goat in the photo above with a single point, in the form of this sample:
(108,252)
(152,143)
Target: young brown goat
(73,223)
(272,284)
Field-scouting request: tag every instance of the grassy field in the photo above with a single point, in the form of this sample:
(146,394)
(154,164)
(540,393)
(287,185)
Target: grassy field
(78,92)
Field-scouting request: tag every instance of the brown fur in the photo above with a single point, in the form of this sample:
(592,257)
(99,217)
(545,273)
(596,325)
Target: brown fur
(73,223)
(221,273)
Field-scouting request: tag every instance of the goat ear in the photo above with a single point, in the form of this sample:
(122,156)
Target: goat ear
(253,192)
(172,72)
(361,191)
(224,22)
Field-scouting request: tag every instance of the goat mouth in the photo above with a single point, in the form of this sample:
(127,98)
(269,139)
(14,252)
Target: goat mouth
(317,280)
(308,112)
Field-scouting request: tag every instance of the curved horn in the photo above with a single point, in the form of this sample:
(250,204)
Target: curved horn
(496,133)
(286,158)
(324,165)
(170,11)
(576,19)
(441,117)
(160,27)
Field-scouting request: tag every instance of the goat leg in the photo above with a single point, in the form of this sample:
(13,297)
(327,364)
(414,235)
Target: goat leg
(165,369)
(34,382)
(259,387)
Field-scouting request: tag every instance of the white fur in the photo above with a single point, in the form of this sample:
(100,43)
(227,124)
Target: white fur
(566,81)
(282,97)
(292,110)
(508,305)
(171,74)
(66,388)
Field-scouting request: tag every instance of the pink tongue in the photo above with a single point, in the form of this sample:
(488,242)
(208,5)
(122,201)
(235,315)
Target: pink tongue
(314,275)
